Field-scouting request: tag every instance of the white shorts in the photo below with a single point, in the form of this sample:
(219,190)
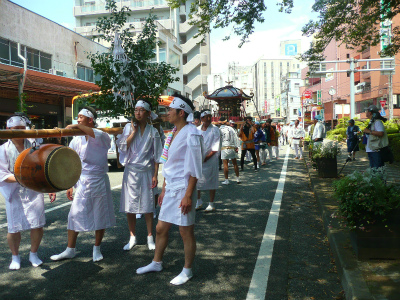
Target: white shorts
(228,154)
(171,212)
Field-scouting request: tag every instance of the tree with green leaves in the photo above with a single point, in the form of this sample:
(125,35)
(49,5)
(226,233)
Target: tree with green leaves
(136,76)
(354,23)
(357,24)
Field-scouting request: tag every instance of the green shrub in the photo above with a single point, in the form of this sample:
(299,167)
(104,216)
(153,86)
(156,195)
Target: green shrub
(365,198)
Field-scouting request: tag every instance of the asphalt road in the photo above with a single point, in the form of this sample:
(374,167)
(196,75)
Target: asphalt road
(228,246)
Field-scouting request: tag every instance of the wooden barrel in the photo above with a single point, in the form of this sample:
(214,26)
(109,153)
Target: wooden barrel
(48,168)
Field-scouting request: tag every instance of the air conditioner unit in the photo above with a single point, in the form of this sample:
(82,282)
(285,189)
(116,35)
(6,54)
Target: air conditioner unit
(360,87)
(57,72)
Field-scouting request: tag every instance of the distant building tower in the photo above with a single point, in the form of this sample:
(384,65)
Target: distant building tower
(290,47)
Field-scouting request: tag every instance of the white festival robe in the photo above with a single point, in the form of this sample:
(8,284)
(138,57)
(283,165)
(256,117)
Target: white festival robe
(230,139)
(92,207)
(137,196)
(296,134)
(185,158)
(24,207)
(212,140)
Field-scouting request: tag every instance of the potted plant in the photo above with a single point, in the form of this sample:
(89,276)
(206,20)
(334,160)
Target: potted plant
(325,155)
(370,208)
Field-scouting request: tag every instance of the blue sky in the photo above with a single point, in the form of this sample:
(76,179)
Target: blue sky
(263,43)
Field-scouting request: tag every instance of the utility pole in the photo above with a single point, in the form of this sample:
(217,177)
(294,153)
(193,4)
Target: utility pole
(317,68)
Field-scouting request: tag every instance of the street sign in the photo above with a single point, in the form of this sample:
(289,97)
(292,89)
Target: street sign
(307,94)
(383,113)
(382,102)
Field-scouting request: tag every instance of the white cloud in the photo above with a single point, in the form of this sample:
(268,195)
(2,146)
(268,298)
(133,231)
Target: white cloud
(262,44)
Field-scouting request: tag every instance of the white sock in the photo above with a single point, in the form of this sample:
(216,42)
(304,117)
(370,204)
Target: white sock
(154,266)
(211,204)
(97,256)
(34,259)
(68,253)
(15,262)
(150,242)
(237,179)
(183,277)
(132,242)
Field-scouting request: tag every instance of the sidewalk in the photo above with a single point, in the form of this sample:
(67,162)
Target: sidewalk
(361,280)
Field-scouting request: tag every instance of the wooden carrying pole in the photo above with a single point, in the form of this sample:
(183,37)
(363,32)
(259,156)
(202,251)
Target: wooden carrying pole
(47,133)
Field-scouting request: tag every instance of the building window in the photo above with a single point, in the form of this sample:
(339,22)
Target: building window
(162,55)
(36,60)
(296,86)
(85,73)
(291,99)
(295,112)
(174,59)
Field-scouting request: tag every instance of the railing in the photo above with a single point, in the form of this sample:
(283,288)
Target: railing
(146,3)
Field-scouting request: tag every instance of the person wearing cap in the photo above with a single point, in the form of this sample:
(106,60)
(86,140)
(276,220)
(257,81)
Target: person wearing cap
(376,137)
(139,151)
(92,204)
(352,139)
(246,134)
(319,130)
(182,157)
(212,139)
(229,147)
(24,207)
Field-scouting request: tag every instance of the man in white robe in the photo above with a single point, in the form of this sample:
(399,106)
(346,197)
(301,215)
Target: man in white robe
(139,151)
(297,135)
(319,130)
(183,156)
(229,148)
(92,206)
(24,207)
(212,140)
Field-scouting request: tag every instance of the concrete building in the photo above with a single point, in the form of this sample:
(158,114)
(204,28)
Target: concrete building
(269,82)
(174,32)
(57,66)
(289,103)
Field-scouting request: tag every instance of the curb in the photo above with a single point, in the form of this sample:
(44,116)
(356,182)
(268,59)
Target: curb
(352,281)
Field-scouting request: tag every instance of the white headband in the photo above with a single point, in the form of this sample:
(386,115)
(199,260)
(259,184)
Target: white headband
(205,113)
(17,121)
(147,107)
(178,103)
(87,113)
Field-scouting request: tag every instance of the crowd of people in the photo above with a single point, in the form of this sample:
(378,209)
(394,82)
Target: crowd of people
(190,153)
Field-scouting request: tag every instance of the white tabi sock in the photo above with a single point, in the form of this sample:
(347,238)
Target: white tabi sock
(15,262)
(152,267)
(34,259)
(68,253)
(150,243)
(97,256)
(183,277)
(132,242)
(237,179)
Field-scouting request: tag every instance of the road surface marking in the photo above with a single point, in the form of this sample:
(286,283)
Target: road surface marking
(259,281)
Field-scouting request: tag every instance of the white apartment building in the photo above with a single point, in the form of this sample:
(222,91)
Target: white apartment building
(268,82)
(288,103)
(178,45)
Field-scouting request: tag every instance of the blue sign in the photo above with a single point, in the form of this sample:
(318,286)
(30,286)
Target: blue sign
(383,113)
(291,49)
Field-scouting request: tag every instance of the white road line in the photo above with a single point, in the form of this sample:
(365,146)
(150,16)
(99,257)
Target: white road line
(62,205)
(259,281)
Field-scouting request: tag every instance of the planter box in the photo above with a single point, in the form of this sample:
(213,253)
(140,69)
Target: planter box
(327,167)
(379,243)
